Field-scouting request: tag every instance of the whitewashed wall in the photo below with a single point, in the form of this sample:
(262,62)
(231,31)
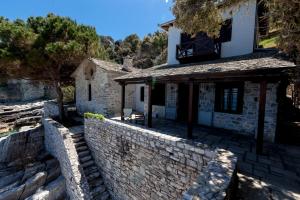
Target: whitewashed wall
(139,105)
(243,31)
(174,37)
(171,101)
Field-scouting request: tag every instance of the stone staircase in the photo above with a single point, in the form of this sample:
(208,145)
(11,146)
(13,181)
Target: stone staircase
(98,190)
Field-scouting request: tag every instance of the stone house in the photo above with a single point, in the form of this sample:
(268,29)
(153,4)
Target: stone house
(223,83)
(96,90)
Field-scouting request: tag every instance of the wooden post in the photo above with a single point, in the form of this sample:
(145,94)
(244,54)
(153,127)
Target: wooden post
(261,117)
(122,101)
(190,111)
(149,105)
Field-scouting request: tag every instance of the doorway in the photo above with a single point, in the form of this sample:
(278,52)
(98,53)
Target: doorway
(183,102)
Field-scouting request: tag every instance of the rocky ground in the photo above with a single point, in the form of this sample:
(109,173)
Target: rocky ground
(18,115)
(38,180)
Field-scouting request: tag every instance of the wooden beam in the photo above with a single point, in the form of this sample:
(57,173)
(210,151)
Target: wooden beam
(261,117)
(122,101)
(190,111)
(149,124)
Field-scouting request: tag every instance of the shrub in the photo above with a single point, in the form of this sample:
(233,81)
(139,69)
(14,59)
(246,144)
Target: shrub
(89,115)
(68,92)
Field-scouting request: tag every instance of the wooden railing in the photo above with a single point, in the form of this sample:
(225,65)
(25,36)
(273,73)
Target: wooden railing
(199,49)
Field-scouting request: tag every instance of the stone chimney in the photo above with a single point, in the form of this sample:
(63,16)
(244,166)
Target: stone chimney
(127,63)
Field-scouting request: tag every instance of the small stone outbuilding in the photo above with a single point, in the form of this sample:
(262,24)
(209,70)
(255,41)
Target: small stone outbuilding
(96,90)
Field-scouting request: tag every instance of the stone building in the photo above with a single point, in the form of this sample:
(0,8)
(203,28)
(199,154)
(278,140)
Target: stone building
(96,90)
(220,82)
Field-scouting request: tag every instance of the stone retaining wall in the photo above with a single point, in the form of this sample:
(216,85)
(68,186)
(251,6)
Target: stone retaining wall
(22,147)
(137,163)
(51,109)
(58,142)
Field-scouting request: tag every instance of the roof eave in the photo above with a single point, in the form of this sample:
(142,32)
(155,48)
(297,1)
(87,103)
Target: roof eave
(275,73)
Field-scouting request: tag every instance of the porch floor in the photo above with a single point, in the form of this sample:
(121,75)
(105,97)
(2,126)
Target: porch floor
(273,175)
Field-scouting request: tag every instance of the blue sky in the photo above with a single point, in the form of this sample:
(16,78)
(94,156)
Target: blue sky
(117,18)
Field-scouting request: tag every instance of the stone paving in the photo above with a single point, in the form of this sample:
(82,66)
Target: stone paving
(273,175)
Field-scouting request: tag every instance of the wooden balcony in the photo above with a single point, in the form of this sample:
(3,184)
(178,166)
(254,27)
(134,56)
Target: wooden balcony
(199,49)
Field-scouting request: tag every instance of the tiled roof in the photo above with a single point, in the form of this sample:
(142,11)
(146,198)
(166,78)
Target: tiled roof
(110,66)
(250,62)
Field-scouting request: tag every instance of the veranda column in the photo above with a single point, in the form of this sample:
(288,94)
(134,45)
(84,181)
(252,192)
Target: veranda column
(122,101)
(149,107)
(261,117)
(190,111)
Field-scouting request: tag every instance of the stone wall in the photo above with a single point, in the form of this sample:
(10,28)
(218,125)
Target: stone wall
(58,142)
(51,109)
(137,163)
(218,180)
(105,92)
(32,90)
(245,123)
(23,90)
(22,147)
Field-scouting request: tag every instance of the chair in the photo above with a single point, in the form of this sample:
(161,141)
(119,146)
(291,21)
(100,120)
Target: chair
(128,114)
(139,118)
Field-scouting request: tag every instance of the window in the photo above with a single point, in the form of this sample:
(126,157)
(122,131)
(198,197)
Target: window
(229,98)
(90,92)
(226,31)
(142,93)
(158,94)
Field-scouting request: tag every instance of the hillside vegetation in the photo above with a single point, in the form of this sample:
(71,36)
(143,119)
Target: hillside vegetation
(146,52)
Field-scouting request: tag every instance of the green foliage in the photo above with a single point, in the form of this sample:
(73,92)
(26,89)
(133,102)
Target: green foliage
(202,15)
(284,16)
(145,53)
(269,42)
(194,16)
(89,115)
(68,94)
(45,48)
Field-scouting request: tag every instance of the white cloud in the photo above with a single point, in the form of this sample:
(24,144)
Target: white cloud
(167,1)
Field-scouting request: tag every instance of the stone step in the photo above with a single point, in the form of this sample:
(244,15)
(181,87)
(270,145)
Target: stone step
(95,183)
(90,170)
(81,148)
(87,164)
(84,153)
(104,196)
(85,159)
(77,135)
(78,139)
(93,176)
(79,144)
(98,191)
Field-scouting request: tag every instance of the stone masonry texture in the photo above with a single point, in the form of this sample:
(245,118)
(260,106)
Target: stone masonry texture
(137,163)
(105,92)
(58,142)
(245,123)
